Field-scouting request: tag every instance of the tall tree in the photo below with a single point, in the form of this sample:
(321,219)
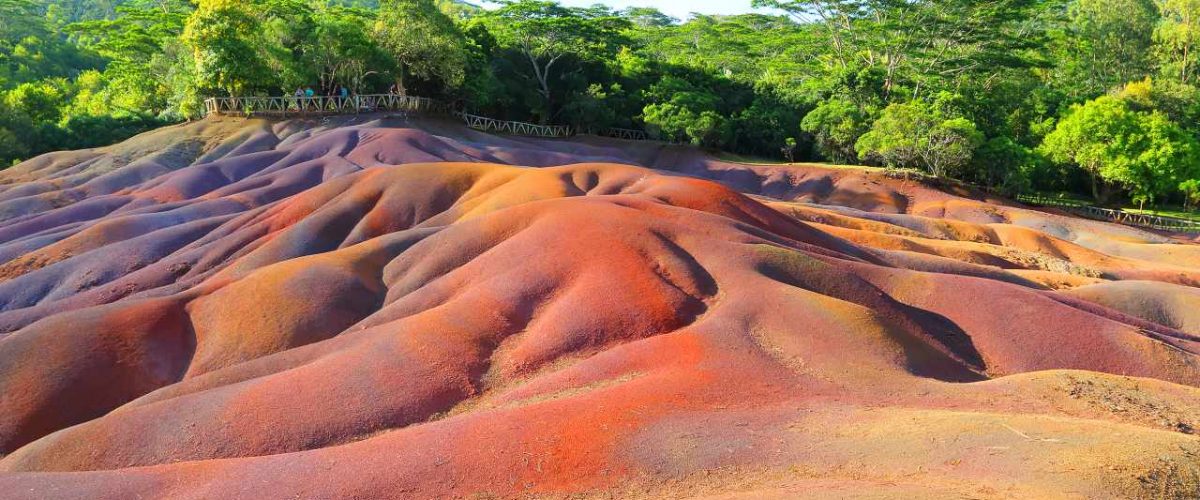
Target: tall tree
(1116,146)
(921,44)
(548,35)
(142,46)
(1107,43)
(222,36)
(423,41)
(1176,38)
(345,51)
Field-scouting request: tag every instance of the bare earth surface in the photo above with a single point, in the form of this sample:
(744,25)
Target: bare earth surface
(383,309)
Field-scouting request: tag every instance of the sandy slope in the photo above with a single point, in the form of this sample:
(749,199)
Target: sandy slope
(368,309)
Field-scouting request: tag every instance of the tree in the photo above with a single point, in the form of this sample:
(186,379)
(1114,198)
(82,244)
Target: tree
(221,35)
(423,42)
(40,102)
(1162,157)
(1005,164)
(142,46)
(1176,37)
(836,125)
(1191,193)
(344,48)
(1087,138)
(32,49)
(789,149)
(681,111)
(930,135)
(648,17)
(1144,152)
(1106,43)
(921,44)
(1180,102)
(548,35)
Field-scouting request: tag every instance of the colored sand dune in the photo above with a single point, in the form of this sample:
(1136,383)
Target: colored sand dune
(373,309)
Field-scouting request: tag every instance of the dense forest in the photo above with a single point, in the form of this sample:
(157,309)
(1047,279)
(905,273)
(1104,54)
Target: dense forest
(1100,97)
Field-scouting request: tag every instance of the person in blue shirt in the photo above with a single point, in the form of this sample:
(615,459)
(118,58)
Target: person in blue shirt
(344,92)
(308,92)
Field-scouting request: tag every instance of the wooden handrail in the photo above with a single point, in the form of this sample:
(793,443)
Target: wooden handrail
(1159,222)
(325,105)
(516,128)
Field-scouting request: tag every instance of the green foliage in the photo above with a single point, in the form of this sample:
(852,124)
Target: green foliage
(1006,165)
(424,41)
(922,134)
(1105,43)
(32,49)
(836,125)
(224,37)
(1143,151)
(546,39)
(683,112)
(1191,192)
(1176,38)
(344,50)
(38,102)
(1013,94)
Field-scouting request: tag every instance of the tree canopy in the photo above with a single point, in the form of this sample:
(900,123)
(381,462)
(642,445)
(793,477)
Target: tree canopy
(1095,96)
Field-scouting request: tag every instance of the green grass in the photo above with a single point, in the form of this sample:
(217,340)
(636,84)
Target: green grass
(1165,211)
(757,160)
(1065,197)
(1175,212)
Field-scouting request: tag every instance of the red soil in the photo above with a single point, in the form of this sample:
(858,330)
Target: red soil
(364,309)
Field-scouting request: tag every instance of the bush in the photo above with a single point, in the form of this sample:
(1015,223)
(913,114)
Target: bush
(685,113)
(1006,165)
(921,134)
(1144,152)
(836,125)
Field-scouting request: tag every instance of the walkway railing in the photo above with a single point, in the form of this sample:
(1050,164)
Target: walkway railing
(319,105)
(623,133)
(516,128)
(1159,222)
(368,103)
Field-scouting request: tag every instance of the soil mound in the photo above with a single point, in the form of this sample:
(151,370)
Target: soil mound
(376,308)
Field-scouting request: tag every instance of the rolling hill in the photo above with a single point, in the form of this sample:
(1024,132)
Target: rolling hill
(371,307)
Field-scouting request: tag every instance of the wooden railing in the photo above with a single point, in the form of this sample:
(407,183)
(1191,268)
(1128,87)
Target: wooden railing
(1120,216)
(516,128)
(319,105)
(369,103)
(621,133)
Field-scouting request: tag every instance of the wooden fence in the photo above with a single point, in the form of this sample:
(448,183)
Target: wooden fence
(1120,216)
(516,128)
(622,133)
(368,103)
(320,105)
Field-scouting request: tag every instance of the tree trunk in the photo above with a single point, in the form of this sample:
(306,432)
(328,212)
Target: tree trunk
(1096,195)
(400,89)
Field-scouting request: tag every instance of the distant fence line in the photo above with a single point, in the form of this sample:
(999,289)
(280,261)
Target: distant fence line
(319,105)
(369,103)
(515,128)
(1159,222)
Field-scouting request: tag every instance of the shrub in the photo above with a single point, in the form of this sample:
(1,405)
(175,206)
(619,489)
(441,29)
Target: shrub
(921,134)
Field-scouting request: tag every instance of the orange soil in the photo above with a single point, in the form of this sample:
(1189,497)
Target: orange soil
(379,309)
